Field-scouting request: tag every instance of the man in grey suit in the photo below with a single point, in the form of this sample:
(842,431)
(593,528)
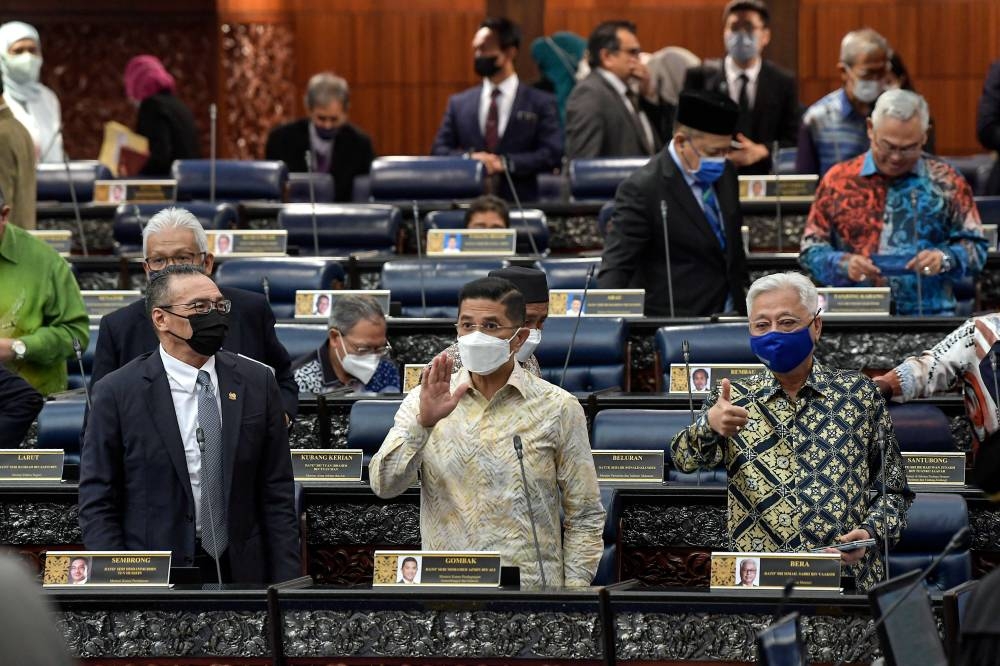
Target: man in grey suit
(615,111)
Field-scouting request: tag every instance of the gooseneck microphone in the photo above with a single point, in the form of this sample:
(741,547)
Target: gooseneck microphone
(576,326)
(200,436)
(265,284)
(777,195)
(996,383)
(419,237)
(686,351)
(519,450)
(212,122)
(517,202)
(666,247)
(76,203)
(915,205)
(78,350)
(312,202)
(786,594)
(885,503)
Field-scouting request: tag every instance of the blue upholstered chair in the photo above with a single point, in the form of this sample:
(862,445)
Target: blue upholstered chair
(649,430)
(931,522)
(604,217)
(298,187)
(921,428)
(989,210)
(425,178)
(76,380)
(607,568)
(598,179)
(283,277)
(59,426)
(709,343)
(235,180)
(550,187)
(530,225)
(600,357)
(442,280)
(131,218)
(300,339)
(786,160)
(975,168)
(954,603)
(570,273)
(369,423)
(341,228)
(52,184)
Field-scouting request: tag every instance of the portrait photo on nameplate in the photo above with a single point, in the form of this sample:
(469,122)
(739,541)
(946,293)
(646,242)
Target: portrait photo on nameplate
(624,465)
(106,568)
(792,189)
(471,242)
(598,303)
(31,464)
(436,568)
(854,301)
(60,240)
(100,302)
(317,303)
(135,191)
(248,242)
(703,376)
(327,464)
(935,469)
(771,571)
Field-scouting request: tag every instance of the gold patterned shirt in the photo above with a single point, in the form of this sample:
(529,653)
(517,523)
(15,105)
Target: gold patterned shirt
(472,496)
(805,472)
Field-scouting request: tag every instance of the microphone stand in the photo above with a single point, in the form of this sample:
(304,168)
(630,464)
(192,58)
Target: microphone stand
(212,113)
(519,450)
(76,204)
(312,202)
(200,436)
(420,257)
(916,248)
(777,196)
(885,504)
(686,350)
(265,284)
(520,209)
(78,350)
(576,327)
(666,248)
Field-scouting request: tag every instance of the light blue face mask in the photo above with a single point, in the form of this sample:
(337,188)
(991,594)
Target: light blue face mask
(742,46)
(709,168)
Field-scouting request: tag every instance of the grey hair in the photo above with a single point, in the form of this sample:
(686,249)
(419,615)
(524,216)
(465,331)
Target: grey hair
(174,218)
(808,295)
(350,309)
(901,105)
(862,42)
(325,87)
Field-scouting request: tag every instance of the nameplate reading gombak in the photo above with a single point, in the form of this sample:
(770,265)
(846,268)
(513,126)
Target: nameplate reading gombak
(107,568)
(631,465)
(436,568)
(104,302)
(248,242)
(471,242)
(792,189)
(853,301)
(327,464)
(771,571)
(60,240)
(135,191)
(31,464)
(703,376)
(939,469)
(317,303)
(598,302)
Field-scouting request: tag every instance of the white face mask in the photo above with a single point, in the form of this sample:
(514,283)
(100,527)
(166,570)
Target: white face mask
(23,67)
(359,366)
(482,354)
(865,91)
(529,346)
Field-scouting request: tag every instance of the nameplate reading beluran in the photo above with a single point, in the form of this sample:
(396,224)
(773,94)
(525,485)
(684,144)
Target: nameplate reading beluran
(771,571)
(107,568)
(633,465)
(327,464)
(31,464)
(436,568)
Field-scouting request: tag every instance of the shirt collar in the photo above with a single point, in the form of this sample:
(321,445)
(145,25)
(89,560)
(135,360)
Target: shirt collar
(689,177)
(516,379)
(8,246)
(869,168)
(183,374)
(733,70)
(818,381)
(508,87)
(615,82)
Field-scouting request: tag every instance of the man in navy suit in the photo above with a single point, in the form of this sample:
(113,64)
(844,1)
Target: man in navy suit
(501,123)
(186,448)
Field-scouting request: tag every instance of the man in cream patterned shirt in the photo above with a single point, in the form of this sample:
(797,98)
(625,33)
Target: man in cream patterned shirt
(458,431)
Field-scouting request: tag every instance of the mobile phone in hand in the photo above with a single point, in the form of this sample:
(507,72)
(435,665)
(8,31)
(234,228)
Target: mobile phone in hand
(848,546)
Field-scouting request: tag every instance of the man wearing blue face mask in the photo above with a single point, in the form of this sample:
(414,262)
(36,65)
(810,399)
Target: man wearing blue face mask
(802,442)
(696,186)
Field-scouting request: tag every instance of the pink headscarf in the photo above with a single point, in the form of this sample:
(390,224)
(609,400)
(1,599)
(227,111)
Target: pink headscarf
(145,76)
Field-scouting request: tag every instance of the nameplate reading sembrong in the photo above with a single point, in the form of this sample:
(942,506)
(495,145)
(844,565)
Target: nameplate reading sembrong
(327,464)
(706,375)
(853,301)
(770,571)
(31,464)
(791,189)
(248,242)
(135,191)
(103,302)
(598,303)
(60,240)
(318,303)
(939,469)
(436,568)
(633,465)
(471,242)
(107,568)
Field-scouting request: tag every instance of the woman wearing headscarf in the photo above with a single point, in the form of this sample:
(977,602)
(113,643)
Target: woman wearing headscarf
(557,58)
(163,118)
(33,104)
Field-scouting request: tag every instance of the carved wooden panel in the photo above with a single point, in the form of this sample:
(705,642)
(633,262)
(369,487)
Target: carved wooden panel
(344,566)
(674,567)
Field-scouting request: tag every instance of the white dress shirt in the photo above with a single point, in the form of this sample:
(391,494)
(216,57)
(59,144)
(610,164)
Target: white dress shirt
(183,380)
(505,102)
(733,72)
(622,89)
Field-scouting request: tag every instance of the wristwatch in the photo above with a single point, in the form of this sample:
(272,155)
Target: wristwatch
(17,346)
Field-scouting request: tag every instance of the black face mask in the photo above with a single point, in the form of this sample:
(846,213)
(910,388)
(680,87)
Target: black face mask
(326,133)
(207,331)
(486,65)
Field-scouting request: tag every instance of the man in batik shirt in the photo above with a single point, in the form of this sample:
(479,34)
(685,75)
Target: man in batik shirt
(896,217)
(802,443)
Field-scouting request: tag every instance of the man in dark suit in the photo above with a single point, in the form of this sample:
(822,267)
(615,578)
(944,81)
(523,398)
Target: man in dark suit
(174,236)
(186,448)
(338,147)
(765,93)
(615,111)
(695,187)
(502,123)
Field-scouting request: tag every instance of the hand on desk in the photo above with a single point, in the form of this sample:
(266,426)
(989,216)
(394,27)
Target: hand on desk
(724,417)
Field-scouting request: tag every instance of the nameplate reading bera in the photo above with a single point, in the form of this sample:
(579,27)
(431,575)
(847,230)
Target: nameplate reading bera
(770,571)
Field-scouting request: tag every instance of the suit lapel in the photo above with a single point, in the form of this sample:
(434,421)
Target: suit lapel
(231,394)
(632,117)
(161,407)
(684,195)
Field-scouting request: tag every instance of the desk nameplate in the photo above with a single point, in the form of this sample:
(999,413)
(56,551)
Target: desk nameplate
(854,301)
(771,571)
(31,464)
(791,188)
(706,375)
(135,191)
(471,242)
(628,465)
(598,302)
(106,568)
(248,242)
(327,464)
(317,304)
(60,240)
(436,568)
(101,302)
(937,469)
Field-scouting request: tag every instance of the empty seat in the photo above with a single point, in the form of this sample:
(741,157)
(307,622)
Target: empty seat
(282,277)
(131,218)
(931,522)
(600,353)
(425,178)
(341,228)
(570,273)
(441,282)
(921,428)
(529,226)
(52,183)
(550,187)
(708,343)
(76,380)
(59,426)
(299,191)
(369,423)
(598,179)
(235,180)
(989,210)
(300,339)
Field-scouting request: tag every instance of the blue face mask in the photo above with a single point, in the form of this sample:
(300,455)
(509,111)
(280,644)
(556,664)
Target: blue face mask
(783,352)
(709,168)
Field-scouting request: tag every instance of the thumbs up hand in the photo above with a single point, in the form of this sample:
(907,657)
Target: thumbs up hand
(724,417)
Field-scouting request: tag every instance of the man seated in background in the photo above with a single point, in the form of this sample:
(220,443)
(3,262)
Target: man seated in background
(338,147)
(897,209)
(355,354)
(487,212)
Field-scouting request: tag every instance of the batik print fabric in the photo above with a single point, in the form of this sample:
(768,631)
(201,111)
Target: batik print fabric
(803,473)
(857,210)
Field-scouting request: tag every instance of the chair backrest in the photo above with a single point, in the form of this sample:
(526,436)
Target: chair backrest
(442,280)
(598,179)
(650,430)
(599,359)
(52,183)
(529,226)
(59,426)
(550,187)
(989,210)
(954,603)
(975,168)
(235,180)
(131,218)
(709,343)
(921,427)
(298,188)
(75,379)
(341,228)
(604,217)
(931,522)
(425,178)
(781,644)
(607,568)
(300,339)
(570,273)
(284,276)
(369,423)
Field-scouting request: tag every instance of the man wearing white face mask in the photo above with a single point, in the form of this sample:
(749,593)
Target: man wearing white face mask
(458,431)
(355,355)
(32,103)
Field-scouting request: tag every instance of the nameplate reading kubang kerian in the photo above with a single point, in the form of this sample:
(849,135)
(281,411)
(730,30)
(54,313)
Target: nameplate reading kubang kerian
(474,242)
(940,469)
(628,465)
(597,303)
(248,242)
(135,191)
(771,571)
(327,464)
(31,464)
(703,376)
(436,568)
(107,568)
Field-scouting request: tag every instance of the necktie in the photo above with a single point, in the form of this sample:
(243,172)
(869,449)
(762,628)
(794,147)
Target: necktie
(492,133)
(744,101)
(214,535)
(712,213)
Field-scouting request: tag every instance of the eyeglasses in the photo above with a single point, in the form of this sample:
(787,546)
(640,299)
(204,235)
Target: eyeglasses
(489,327)
(183,259)
(903,151)
(203,307)
(362,350)
(632,53)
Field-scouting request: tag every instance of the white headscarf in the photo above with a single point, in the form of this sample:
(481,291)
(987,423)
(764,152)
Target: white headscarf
(23,91)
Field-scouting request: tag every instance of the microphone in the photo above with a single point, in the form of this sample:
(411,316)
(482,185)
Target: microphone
(885,502)
(52,142)
(956,541)
(76,204)
(786,594)
(420,256)
(686,351)
(265,284)
(78,350)
(777,195)
(312,202)
(576,327)
(920,280)
(200,436)
(666,248)
(212,120)
(517,202)
(519,450)
(996,389)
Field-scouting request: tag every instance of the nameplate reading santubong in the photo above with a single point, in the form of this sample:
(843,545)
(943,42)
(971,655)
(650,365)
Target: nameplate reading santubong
(854,301)
(248,242)
(598,302)
(107,568)
(31,464)
(771,571)
(632,466)
(104,302)
(60,240)
(436,569)
(327,464)
(135,191)
(939,469)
